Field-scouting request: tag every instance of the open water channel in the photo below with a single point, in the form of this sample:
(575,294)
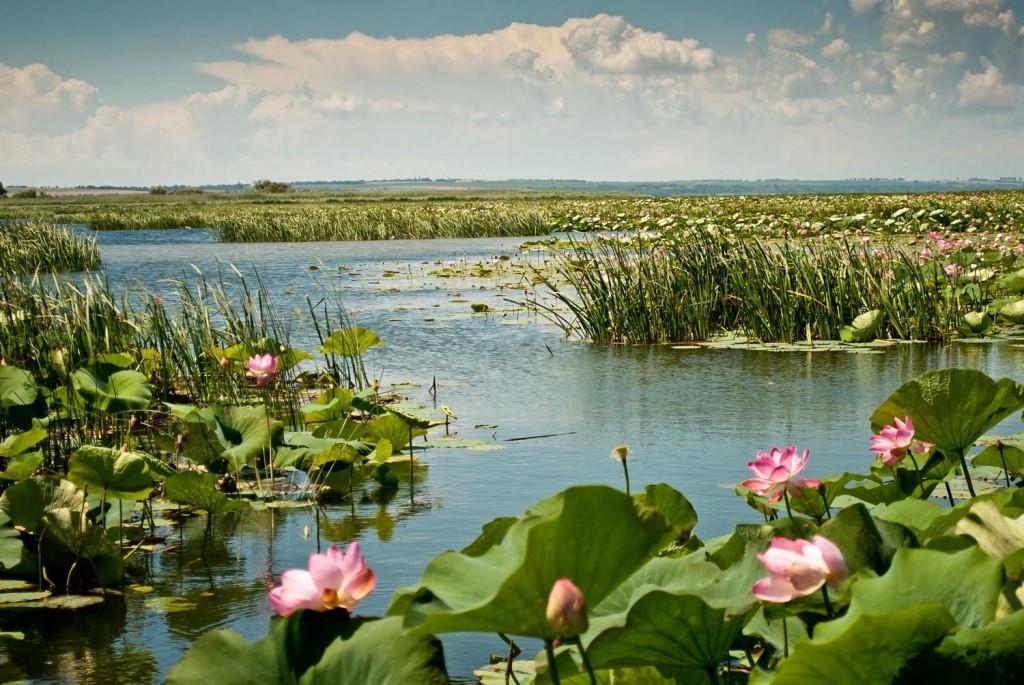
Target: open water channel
(692,417)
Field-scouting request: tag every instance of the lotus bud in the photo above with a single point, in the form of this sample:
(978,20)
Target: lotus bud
(620,453)
(567,609)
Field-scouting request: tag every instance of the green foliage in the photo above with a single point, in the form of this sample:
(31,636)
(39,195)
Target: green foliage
(309,647)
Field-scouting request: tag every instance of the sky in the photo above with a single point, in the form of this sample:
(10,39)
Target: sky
(199,92)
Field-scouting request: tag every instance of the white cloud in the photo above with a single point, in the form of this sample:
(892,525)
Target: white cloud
(36,99)
(989,89)
(610,45)
(836,49)
(527,100)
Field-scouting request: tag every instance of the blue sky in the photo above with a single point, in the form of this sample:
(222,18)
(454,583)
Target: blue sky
(207,92)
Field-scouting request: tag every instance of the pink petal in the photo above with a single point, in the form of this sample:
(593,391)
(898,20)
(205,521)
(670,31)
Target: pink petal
(297,591)
(773,589)
(833,558)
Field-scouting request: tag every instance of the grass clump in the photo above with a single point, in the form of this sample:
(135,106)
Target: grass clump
(30,247)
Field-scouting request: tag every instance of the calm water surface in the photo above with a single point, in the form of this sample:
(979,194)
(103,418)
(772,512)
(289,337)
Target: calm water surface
(692,418)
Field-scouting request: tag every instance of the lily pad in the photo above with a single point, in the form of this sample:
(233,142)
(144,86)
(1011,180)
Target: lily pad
(505,589)
(109,388)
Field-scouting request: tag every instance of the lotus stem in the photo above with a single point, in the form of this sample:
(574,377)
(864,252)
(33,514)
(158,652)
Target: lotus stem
(586,661)
(828,603)
(949,493)
(785,497)
(920,478)
(625,473)
(967,475)
(785,639)
(1006,470)
(549,648)
(712,672)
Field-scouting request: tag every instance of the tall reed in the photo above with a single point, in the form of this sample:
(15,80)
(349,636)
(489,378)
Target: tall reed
(689,284)
(26,248)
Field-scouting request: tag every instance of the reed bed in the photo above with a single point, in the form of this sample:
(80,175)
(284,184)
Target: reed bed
(49,326)
(691,284)
(26,248)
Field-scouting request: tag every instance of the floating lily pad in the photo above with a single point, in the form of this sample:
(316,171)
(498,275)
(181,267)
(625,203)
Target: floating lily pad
(170,605)
(474,444)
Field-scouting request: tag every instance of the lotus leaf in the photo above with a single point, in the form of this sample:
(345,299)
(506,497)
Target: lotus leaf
(863,328)
(200,490)
(951,408)
(350,342)
(594,535)
(22,466)
(107,387)
(124,475)
(864,541)
(871,649)
(967,583)
(19,442)
(1010,458)
(331,405)
(310,647)
(993,654)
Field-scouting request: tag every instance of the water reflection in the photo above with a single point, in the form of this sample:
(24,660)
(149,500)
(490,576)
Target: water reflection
(692,418)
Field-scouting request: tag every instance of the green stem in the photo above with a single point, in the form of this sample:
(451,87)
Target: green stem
(625,472)
(712,672)
(785,639)
(828,604)
(1006,471)
(785,497)
(549,648)
(949,493)
(967,475)
(586,661)
(920,478)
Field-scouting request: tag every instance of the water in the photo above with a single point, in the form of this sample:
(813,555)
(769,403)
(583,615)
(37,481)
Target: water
(692,418)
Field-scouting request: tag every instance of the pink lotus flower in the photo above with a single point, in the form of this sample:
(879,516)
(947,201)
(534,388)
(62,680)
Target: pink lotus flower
(262,367)
(776,471)
(893,443)
(334,580)
(567,609)
(798,568)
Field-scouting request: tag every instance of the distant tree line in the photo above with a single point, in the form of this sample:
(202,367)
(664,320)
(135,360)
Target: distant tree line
(265,185)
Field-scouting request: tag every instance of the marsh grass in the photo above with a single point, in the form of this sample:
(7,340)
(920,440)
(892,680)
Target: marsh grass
(689,285)
(28,247)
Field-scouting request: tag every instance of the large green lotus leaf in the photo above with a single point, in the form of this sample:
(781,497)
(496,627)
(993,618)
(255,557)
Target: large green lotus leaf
(1011,282)
(19,442)
(864,541)
(967,583)
(393,428)
(594,535)
(310,648)
(22,466)
(312,452)
(15,557)
(109,388)
(27,501)
(350,342)
(1013,311)
(124,475)
(673,505)
(331,405)
(998,535)
(67,537)
(409,419)
(993,655)
(863,328)
(244,432)
(341,428)
(200,490)
(926,519)
(1010,458)
(870,650)
(17,387)
(492,534)
(669,631)
(951,408)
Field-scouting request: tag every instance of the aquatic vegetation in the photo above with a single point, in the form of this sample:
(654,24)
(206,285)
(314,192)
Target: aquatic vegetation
(893,443)
(619,587)
(27,248)
(693,284)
